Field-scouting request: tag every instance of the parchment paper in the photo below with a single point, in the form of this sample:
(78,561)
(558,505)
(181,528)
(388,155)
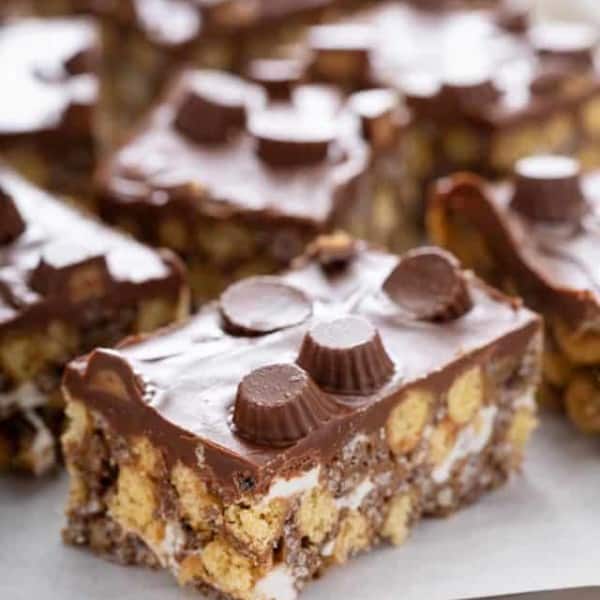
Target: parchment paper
(541,532)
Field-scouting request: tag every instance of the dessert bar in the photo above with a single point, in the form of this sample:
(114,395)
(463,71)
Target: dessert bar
(67,284)
(146,40)
(485,87)
(50,91)
(238,177)
(300,420)
(538,236)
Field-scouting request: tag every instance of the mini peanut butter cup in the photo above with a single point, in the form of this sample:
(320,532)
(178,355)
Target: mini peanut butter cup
(212,107)
(280,404)
(341,52)
(346,356)
(380,116)
(468,90)
(573,43)
(428,284)
(260,305)
(291,138)
(278,76)
(12,224)
(547,188)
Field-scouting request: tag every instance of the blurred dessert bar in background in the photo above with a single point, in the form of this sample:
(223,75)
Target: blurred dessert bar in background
(300,420)
(238,178)
(147,40)
(485,87)
(50,90)
(67,285)
(538,236)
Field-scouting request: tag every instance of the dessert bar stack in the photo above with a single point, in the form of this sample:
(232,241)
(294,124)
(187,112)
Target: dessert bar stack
(266,162)
(300,420)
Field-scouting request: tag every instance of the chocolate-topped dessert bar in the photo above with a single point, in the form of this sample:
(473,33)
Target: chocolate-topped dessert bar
(538,236)
(49,84)
(145,40)
(485,87)
(238,177)
(67,284)
(300,420)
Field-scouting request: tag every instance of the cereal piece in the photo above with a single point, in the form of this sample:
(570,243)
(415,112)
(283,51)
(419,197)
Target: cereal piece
(353,536)
(395,526)
(317,515)
(407,421)
(465,396)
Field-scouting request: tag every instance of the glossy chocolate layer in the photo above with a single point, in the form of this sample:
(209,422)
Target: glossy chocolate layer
(48,77)
(555,262)
(192,374)
(173,23)
(63,263)
(268,169)
(480,65)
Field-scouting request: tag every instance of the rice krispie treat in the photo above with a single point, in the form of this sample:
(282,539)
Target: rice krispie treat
(537,235)
(237,176)
(67,284)
(50,92)
(300,420)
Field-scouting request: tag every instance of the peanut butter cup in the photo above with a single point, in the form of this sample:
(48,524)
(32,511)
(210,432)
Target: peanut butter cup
(279,404)
(260,305)
(428,283)
(213,106)
(346,356)
(548,188)
(287,137)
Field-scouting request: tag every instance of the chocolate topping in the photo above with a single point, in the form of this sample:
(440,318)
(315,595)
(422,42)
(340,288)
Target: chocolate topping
(213,107)
(573,43)
(278,405)
(378,110)
(11,222)
(428,283)
(68,267)
(260,305)
(547,188)
(346,356)
(277,76)
(107,372)
(131,182)
(45,65)
(290,138)
(196,370)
